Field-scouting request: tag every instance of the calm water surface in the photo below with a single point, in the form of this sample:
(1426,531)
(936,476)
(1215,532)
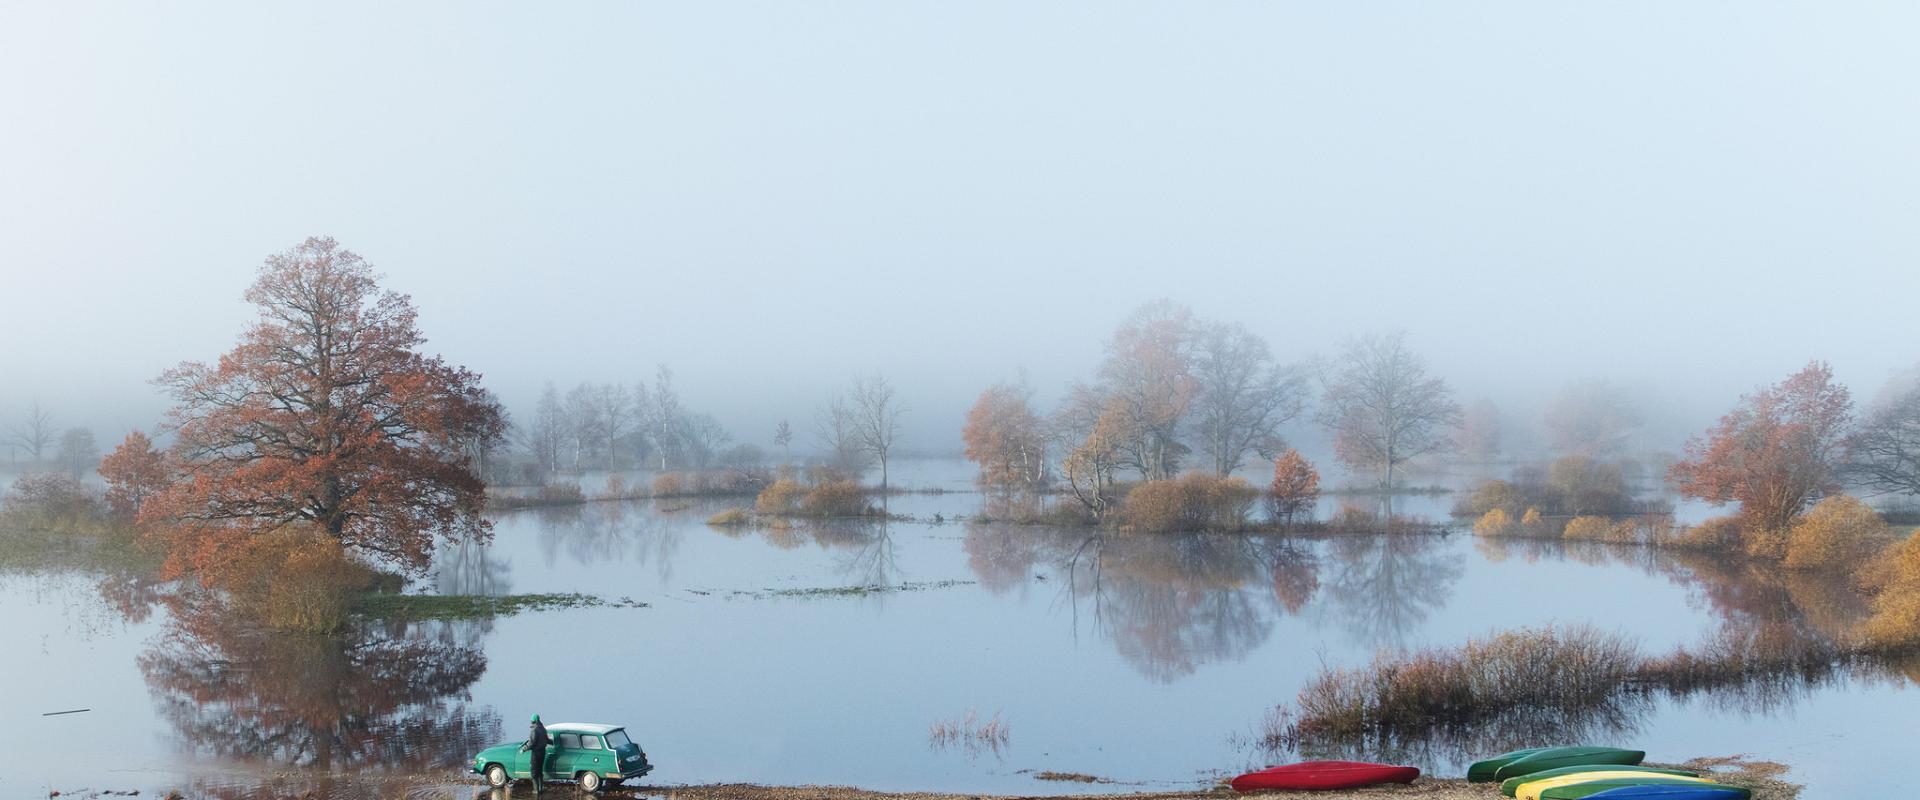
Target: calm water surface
(1151,661)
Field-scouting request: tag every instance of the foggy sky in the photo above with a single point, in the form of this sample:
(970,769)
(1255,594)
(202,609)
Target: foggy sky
(1692,199)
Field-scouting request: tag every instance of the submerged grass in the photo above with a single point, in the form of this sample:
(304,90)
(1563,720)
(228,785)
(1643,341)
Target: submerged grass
(1548,667)
(468,606)
(970,732)
(850,591)
(1533,679)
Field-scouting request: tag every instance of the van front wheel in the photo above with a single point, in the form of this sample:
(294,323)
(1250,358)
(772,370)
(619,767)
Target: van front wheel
(496,776)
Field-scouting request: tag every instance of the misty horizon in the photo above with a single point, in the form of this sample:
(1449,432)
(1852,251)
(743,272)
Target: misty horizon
(771,217)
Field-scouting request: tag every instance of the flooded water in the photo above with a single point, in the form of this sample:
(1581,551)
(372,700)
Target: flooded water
(1151,661)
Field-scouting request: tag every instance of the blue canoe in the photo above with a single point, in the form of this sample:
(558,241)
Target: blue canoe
(1669,792)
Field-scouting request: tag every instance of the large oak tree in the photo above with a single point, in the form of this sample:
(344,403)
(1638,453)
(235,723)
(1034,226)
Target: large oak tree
(326,414)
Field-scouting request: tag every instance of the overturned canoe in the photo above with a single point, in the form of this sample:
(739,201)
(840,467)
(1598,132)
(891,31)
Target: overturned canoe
(1511,785)
(1482,771)
(1532,789)
(1581,791)
(1657,791)
(1557,757)
(1324,775)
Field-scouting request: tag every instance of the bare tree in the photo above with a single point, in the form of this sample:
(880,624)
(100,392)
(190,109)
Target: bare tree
(1884,452)
(1241,396)
(586,430)
(34,434)
(876,419)
(78,454)
(548,432)
(661,417)
(1382,408)
(703,437)
(613,407)
(1591,418)
(782,437)
(835,429)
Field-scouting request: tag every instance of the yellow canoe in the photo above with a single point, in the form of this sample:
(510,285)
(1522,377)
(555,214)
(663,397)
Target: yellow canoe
(1532,789)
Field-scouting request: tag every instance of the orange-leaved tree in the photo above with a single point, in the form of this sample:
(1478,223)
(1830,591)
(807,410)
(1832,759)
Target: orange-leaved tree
(1006,439)
(1775,454)
(325,415)
(134,472)
(1296,486)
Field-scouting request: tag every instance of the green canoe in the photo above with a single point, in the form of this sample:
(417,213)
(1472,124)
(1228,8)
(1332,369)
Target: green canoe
(1557,757)
(1508,786)
(1482,771)
(1577,791)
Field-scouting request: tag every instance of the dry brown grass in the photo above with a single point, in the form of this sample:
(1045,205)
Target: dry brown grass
(781,497)
(1196,501)
(1493,523)
(1839,533)
(1602,529)
(1894,577)
(296,580)
(1547,667)
(669,484)
(835,499)
(730,518)
(970,732)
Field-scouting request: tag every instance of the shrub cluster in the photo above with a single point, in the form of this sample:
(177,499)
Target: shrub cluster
(1602,529)
(53,502)
(1548,667)
(1839,533)
(711,482)
(296,580)
(1196,501)
(729,518)
(780,497)
(829,497)
(839,498)
(1570,486)
(1894,579)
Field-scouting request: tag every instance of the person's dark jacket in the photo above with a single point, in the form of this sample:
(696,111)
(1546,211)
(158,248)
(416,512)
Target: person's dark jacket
(537,738)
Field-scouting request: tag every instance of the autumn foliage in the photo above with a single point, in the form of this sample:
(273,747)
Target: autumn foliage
(1895,580)
(326,417)
(1775,454)
(1195,501)
(1005,437)
(1295,487)
(1838,533)
(134,472)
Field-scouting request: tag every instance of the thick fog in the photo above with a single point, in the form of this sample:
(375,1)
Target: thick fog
(1689,200)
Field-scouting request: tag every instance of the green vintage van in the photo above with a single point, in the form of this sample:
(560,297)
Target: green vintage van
(586,752)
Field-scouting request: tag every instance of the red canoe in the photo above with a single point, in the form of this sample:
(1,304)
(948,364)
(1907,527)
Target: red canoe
(1324,775)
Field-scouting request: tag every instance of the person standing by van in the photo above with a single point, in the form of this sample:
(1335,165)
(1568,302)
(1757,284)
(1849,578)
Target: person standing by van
(536,748)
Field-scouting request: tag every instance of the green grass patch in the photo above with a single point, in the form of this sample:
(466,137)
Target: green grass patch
(382,605)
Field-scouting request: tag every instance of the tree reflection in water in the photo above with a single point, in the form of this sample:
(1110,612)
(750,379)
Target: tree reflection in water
(468,567)
(1169,603)
(598,533)
(378,695)
(1382,587)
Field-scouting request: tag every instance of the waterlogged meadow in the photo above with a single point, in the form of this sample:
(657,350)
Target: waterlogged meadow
(930,651)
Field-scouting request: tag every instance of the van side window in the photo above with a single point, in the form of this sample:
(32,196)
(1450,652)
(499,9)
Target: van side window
(569,741)
(590,742)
